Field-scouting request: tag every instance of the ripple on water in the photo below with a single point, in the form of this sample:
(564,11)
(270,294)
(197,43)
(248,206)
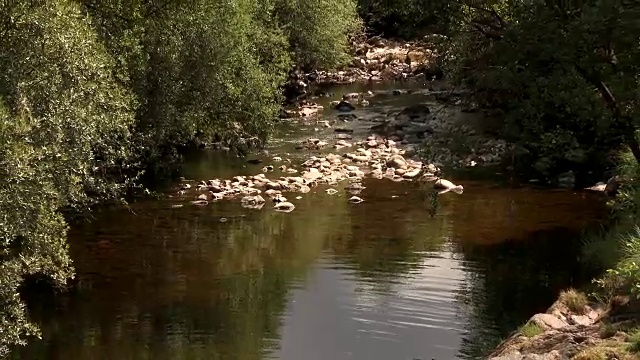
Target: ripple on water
(342,314)
(384,279)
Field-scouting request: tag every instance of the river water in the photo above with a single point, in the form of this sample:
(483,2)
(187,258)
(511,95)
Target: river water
(384,279)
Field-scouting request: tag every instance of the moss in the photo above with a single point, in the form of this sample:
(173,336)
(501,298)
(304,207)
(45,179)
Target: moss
(575,300)
(530,329)
(634,341)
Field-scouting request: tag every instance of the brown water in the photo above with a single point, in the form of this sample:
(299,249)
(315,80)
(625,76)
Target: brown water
(379,280)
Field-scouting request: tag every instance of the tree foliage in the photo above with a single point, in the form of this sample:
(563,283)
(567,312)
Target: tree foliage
(564,75)
(408,18)
(94,93)
(318,29)
(62,119)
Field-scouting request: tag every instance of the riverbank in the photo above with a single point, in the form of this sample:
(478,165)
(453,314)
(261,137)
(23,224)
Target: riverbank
(354,270)
(575,329)
(609,326)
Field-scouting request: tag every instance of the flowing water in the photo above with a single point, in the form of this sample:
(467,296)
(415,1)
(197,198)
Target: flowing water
(390,278)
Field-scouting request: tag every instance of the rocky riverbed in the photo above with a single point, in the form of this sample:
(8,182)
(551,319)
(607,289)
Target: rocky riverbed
(353,138)
(373,60)
(375,157)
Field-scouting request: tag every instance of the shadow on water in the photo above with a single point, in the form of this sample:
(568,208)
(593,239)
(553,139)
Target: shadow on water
(384,279)
(381,279)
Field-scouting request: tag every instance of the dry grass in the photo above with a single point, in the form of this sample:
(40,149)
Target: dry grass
(603,352)
(575,300)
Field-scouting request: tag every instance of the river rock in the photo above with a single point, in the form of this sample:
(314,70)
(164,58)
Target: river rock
(516,355)
(580,320)
(599,187)
(418,112)
(416,128)
(548,321)
(410,174)
(284,206)
(309,110)
(351,96)
(567,180)
(344,106)
(355,200)
(612,186)
(347,117)
(397,162)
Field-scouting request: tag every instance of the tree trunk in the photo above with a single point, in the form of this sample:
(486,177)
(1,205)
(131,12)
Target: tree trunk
(626,122)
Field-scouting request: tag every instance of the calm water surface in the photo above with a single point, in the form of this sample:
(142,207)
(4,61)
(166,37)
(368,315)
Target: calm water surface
(379,280)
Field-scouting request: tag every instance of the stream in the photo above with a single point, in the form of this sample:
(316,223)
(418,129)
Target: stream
(384,279)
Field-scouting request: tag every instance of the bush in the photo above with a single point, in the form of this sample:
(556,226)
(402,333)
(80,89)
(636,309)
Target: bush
(64,126)
(634,341)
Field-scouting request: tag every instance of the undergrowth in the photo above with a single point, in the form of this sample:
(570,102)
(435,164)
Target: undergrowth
(617,248)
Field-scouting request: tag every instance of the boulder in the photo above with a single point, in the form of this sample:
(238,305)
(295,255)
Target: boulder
(344,106)
(418,112)
(548,321)
(567,179)
(611,188)
(397,162)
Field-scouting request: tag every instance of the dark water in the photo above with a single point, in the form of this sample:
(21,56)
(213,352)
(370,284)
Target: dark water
(379,280)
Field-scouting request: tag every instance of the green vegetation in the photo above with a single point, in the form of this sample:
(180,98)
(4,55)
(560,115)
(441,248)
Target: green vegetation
(408,19)
(530,329)
(94,94)
(563,78)
(634,341)
(608,330)
(617,248)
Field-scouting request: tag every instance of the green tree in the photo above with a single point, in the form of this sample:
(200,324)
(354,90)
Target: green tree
(64,123)
(318,30)
(94,92)
(407,18)
(564,76)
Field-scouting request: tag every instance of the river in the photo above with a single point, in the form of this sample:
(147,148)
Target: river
(384,279)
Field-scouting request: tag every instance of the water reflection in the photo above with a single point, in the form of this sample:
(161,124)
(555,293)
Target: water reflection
(342,316)
(378,280)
